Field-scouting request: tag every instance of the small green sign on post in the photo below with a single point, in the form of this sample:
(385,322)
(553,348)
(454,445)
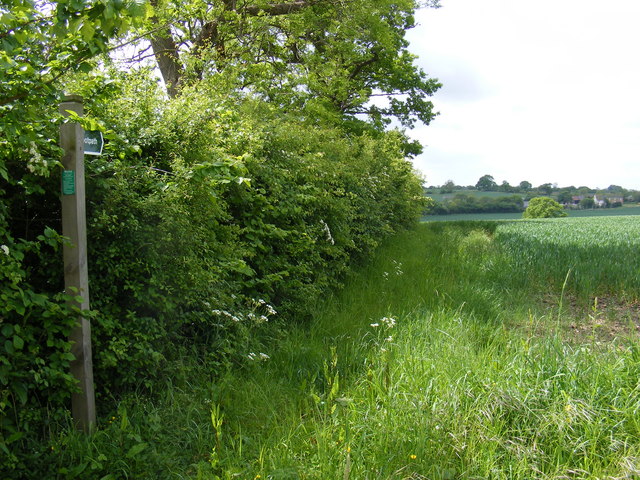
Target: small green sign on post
(68,182)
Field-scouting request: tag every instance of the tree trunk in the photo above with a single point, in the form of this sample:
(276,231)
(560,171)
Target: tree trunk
(167,56)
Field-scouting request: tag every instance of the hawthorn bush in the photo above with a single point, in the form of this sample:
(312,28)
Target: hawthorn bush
(228,202)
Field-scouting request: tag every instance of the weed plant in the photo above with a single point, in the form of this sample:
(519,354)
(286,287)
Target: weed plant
(434,362)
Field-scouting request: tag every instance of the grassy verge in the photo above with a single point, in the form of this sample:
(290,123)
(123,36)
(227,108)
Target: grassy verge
(433,362)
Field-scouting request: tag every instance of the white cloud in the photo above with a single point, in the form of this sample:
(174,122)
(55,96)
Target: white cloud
(545,91)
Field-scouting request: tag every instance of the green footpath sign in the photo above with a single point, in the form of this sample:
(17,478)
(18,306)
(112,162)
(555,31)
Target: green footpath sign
(68,182)
(93,142)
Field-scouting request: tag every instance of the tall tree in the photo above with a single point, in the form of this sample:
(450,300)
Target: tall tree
(505,187)
(448,187)
(565,196)
(486,183)
(525,186)
(546,189)
(334,55)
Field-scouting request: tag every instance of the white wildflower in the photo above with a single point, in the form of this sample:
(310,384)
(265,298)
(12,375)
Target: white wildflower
(5,249)
(37,164)
(398,267)
(389,339)
(375,325)
(264,356)
(327,232)
(389,322)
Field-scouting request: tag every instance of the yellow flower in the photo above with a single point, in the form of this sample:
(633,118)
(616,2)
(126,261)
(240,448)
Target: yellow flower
(412,457)
(348,449)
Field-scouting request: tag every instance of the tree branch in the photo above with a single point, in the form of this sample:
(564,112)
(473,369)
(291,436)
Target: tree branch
(360,66)
(209,32)
(278,8)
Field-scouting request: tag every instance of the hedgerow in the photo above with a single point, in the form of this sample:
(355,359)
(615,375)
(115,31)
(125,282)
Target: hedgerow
(207,214)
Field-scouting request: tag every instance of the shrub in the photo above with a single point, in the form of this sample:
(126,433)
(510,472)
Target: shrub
(229,201)
(35,383)
(544,207)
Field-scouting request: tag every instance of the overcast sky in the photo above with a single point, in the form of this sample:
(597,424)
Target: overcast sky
(543,91)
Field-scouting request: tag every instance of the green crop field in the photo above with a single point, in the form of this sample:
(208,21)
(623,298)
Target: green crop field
(592,254)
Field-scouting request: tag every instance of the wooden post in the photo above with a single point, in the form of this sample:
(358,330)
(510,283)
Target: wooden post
(74,227)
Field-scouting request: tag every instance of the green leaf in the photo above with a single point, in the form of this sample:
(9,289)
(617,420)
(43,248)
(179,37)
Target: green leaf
(21,392)
(78,469)
(85,67)
(87,31)
(18,343)
(136,449)
(7,330)
(14,437)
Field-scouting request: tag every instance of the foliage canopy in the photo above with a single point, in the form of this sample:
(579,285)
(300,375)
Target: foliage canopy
(486,183)
(322,55)
(544,207)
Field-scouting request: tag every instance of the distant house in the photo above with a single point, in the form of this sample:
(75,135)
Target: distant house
(599,202)
(605,201)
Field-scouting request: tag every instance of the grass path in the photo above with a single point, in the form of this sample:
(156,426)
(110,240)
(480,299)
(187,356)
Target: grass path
(429,366)
(433,362)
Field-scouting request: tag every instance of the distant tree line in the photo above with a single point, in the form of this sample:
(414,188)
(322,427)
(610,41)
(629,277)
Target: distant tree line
(571,197)
(462,203)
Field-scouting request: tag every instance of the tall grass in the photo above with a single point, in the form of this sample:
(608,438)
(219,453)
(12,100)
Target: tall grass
(433,362)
